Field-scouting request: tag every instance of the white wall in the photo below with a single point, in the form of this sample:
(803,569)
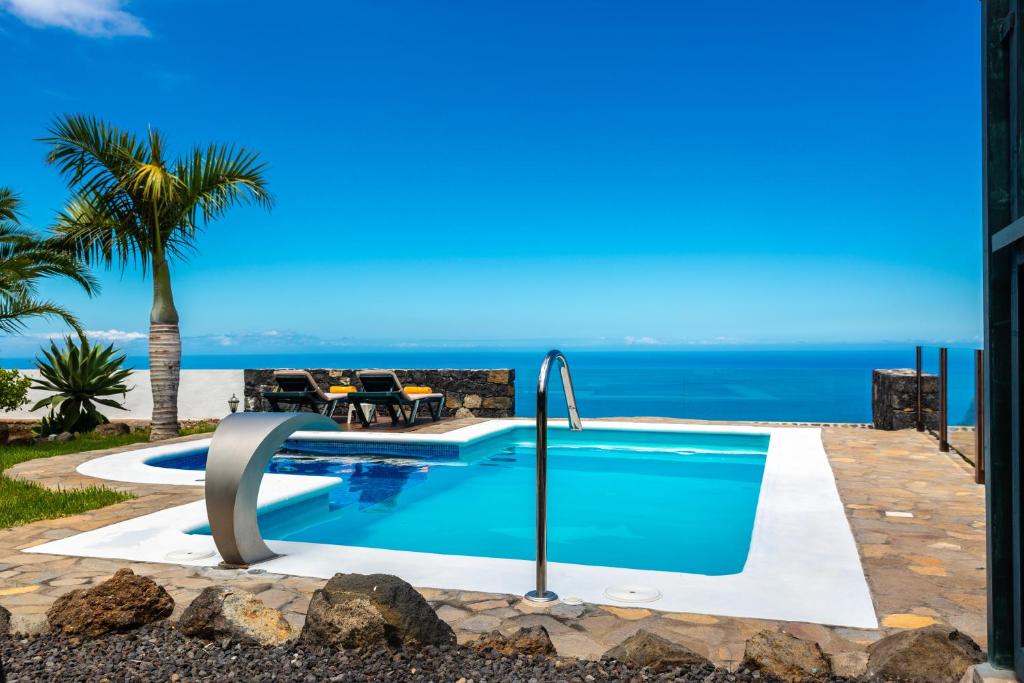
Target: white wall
(202,394)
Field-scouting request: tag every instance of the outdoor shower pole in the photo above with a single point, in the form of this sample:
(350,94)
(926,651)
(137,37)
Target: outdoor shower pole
(541,593)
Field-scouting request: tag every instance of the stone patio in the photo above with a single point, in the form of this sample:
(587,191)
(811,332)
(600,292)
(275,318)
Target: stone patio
(916,515)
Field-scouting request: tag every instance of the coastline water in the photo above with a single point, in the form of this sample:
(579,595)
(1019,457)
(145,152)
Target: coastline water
(774,385)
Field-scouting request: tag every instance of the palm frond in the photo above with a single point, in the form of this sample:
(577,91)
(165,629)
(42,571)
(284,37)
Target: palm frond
(218,178)
(10,206)
(94,157)
(97,230)
(153,181)
(15,311)
(25,260)
(132,204)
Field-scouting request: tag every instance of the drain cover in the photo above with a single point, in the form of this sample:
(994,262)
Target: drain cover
(188,555)
(571,601)
(631,592)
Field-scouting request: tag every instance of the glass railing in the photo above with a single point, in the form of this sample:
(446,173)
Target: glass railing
(952,411)
(960,386)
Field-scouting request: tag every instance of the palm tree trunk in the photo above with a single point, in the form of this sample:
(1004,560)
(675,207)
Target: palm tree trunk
(164,355)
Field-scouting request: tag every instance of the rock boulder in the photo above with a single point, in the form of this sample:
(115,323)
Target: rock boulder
(21,438)
(360,610)
(5,621)
(849,664)
(934,654)
(644,648)
(121,603)
(112,428)
(785,656)
(532,640)
(223,612)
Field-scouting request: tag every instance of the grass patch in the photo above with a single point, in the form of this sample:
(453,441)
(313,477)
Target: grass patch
(22,502)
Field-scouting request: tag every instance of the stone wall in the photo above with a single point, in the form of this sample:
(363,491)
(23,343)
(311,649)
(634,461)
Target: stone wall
(468,393)
(894,399)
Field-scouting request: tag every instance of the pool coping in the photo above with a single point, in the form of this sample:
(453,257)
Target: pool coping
(803,563)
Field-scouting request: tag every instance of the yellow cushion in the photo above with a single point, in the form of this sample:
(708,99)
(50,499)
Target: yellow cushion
(418,390)
(341,390)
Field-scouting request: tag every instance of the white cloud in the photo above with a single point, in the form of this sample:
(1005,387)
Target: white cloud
(642,341)
(101,18)
(115,335)
(265,341)
(96,335)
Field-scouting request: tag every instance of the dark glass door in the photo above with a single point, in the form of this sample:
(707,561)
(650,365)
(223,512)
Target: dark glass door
(1017,449)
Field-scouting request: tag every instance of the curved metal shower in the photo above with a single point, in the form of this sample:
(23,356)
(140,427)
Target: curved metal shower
(240,450)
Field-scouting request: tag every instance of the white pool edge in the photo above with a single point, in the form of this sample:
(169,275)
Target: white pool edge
(803,563)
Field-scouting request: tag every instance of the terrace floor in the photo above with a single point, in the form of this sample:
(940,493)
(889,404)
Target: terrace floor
(924,564)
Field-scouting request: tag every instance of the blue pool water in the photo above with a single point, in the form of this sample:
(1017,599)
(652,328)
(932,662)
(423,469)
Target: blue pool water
(681,502)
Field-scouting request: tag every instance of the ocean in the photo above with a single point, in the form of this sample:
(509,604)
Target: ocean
(777,385)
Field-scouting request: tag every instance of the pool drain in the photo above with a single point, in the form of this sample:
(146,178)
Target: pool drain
(631,592)
(188,555)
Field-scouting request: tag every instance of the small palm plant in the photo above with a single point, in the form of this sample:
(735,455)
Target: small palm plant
(81,375)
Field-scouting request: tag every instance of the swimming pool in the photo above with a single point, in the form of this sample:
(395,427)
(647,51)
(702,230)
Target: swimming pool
(731,520)
(682,502)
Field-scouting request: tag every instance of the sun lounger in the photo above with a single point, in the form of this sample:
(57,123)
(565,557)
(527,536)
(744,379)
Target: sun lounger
(298,390)
(382,388)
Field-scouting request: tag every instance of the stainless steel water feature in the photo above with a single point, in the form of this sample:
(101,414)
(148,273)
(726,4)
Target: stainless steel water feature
(240,450)
(541,593)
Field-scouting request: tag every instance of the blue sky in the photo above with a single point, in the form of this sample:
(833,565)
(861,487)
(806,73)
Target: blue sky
(623,174)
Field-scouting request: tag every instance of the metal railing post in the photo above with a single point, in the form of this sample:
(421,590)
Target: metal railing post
(541,593)
(920,392)
(943,400)
(979,416)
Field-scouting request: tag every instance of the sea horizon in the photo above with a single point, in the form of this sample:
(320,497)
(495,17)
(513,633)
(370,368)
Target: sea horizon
(786,384)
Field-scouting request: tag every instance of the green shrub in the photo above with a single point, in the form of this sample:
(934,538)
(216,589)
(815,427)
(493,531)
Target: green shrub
(81,375)
(13,390)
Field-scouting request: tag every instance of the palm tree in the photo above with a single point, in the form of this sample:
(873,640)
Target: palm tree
(131,204)
(25,259)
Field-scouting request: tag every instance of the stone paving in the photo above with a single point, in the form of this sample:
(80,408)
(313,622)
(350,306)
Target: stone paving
(916,514)
(919,521)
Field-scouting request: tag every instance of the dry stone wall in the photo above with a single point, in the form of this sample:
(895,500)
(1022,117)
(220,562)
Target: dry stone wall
(468,393)
(894,399)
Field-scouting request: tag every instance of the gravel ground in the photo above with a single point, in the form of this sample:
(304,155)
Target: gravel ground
(159,653)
